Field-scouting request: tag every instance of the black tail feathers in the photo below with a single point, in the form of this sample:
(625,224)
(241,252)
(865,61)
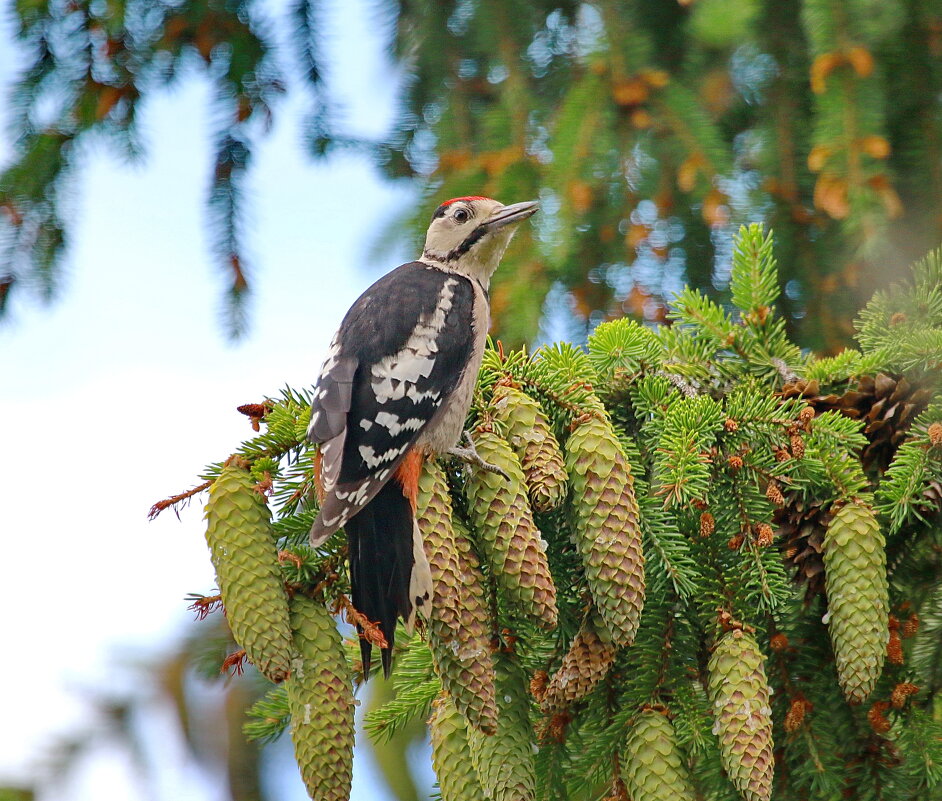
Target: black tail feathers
(381,558)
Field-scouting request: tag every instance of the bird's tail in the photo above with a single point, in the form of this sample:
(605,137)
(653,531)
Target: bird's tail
(389,574)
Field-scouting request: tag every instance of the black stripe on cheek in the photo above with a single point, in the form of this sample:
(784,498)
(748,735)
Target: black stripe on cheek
(470,241)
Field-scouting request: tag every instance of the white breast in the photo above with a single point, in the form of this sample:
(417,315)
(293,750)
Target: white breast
(445,430)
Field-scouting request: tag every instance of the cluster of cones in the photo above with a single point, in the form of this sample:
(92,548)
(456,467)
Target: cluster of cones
(291,640)
(886,405)
(516,436)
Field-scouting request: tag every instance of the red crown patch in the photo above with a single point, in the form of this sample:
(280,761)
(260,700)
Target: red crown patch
(467,197)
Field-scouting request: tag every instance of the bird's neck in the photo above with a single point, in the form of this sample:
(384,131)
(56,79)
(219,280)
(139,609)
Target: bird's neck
(469,265)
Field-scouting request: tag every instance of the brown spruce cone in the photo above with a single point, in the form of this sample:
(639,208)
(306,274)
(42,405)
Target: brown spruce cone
(586,663)
(739,692)
(801,526)
(527,429)
(459,624)
(887,403)
(509,539)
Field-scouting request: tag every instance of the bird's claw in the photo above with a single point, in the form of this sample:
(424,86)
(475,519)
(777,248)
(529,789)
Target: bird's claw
(471,456)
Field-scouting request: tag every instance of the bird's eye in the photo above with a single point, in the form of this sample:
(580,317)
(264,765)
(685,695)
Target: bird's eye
(461,215)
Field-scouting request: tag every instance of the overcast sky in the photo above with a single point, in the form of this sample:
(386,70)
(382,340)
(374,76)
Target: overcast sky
(120,392)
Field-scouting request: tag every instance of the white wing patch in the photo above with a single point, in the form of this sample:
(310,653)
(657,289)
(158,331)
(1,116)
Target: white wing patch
(372,460)
(413,394)
(393,424)
(356,497)
(353,501)
(394,377)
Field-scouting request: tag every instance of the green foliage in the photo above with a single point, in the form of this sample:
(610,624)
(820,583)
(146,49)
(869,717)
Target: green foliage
(647,129)
(915,470)
(927,649)
(754,279)
(904,322)
(416,686)
(848,364)
(732,456)
(269,716)
(90,66)
(830,454)
(621,349)
(652,128)
(681,467)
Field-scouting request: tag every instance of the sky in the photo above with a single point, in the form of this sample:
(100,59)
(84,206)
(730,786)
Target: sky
(121,391)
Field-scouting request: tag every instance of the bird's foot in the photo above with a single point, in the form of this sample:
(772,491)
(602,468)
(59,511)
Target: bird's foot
(472,457)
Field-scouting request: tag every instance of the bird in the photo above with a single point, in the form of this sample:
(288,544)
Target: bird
(394,389)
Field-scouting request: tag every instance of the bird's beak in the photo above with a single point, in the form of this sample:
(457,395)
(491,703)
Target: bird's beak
(514,213)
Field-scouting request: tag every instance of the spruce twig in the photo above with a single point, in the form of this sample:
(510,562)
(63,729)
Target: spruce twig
(177,502)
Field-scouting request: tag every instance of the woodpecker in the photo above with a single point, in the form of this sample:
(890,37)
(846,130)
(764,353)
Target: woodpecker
(395,387)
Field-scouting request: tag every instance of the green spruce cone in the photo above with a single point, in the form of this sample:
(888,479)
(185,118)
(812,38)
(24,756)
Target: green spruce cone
(511,542)
(528,431)
(451,754)
(459,624)
(243,551)
(652,764)
(586,663)
(607,526)
(504,760)
(858,602)
(739,692)
(321,703)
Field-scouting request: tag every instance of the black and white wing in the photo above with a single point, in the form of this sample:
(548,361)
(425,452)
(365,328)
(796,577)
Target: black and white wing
(398,356)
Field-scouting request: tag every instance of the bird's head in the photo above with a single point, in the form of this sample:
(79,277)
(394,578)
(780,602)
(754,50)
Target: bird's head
(470,234)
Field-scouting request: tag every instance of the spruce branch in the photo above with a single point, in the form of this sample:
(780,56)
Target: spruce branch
(414,701)
(915,469)
(269,716)
(719,439)
(754,277)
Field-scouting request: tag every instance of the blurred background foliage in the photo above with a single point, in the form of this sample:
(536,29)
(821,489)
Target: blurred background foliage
(647,128)
(188,709)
